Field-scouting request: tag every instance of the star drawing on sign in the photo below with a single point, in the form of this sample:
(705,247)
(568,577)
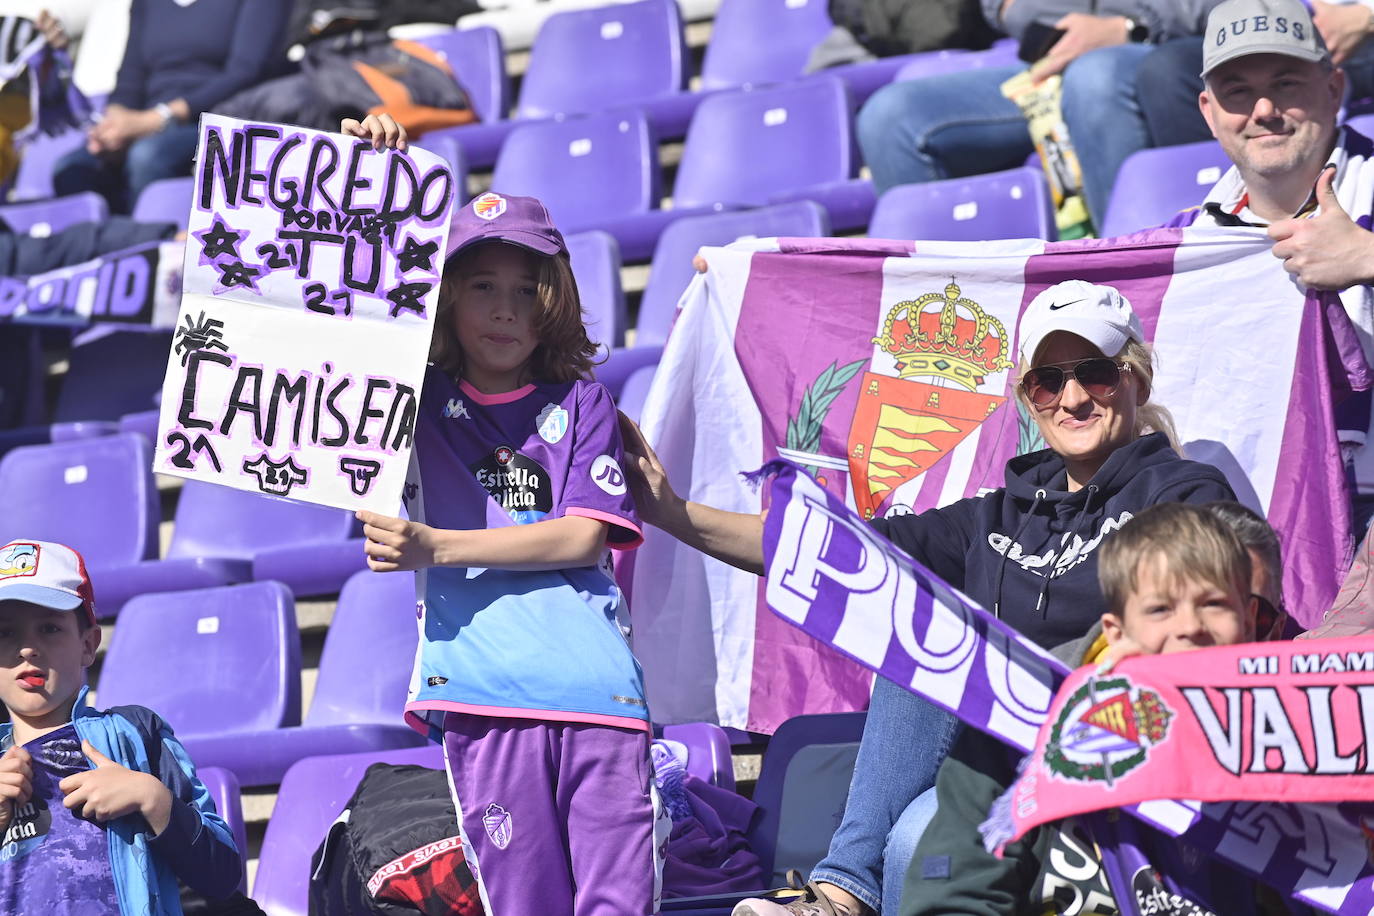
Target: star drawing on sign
(219,241)
(416,256)
(237,273)
(407,296)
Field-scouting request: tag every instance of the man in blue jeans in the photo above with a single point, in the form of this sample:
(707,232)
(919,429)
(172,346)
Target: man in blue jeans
(960,123)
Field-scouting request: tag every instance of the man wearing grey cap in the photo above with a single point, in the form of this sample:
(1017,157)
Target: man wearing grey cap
(1271,97)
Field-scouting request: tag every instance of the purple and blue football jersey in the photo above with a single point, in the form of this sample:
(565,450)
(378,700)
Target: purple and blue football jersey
(543,645)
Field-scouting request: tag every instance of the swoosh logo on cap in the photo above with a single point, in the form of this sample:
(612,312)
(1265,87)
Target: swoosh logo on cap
(1055,308)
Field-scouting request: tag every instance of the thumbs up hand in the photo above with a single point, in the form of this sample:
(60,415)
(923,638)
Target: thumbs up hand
(1326,251)
(110,790)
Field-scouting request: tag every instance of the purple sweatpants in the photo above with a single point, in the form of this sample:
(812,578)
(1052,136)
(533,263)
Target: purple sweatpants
(559,817)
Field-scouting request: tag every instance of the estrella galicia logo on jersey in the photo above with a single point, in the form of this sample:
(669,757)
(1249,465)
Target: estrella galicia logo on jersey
(553,423)
(519,484)
(27,830)
(1105,730)
(607,475)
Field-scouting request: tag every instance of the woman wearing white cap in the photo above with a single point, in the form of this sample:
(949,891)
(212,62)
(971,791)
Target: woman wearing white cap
(1026,551)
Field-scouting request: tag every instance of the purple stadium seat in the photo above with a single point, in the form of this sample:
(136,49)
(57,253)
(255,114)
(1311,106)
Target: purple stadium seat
(223,536)
(1154,184)
(1014,204)
(801,793)
(617,56)
(95,495)
(311,796)
(359,695)
(143,422)
(452,152)
(34,179)
(743,149)
(112,371)
(596,267)
(630,400)
(762,41)
(41,218)
(593,172)
(623,363)
(614,56)
(166,201)
(479,63)
(671,269)
(224,791)
(937,63)
(1362,124)
(217,661)
(708,751)
(868,77)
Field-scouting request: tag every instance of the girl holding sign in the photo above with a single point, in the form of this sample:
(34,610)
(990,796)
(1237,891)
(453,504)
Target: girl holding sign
(515,492)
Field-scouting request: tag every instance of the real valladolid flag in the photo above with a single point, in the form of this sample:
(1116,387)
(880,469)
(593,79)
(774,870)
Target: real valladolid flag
(794,348)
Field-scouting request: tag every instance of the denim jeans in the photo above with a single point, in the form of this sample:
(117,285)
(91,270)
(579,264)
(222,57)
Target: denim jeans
(121,178)
(905,740)
(960,124)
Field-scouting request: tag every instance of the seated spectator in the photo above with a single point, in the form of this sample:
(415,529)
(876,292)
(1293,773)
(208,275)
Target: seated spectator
(1272,99)
(1169,80)
(1176,578)
(101,812)
(1086,378)
(182,57)
(960,124)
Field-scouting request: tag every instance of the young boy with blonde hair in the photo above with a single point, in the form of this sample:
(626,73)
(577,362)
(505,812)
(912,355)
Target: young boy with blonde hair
(1176,577)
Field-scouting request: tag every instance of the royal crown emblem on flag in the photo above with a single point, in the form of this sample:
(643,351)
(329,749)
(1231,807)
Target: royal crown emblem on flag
(945,346)
(1105,730)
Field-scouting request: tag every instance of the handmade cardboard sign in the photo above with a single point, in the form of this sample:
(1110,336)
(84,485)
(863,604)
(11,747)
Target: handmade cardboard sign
(138,285)
(311,278)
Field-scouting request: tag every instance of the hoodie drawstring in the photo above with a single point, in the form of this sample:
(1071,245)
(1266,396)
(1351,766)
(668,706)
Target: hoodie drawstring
(1042,603)
(1006,551)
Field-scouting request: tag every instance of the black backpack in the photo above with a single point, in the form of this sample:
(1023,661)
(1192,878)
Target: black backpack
(394,850)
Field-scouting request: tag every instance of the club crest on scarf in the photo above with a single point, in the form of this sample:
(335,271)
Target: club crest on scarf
(945,346)
(1105,730)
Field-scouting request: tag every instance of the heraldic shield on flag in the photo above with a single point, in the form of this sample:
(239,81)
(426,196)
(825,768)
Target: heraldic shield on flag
(1105,730)
(945,346)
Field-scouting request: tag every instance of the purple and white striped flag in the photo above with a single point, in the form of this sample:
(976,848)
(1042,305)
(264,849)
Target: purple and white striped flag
(795,348)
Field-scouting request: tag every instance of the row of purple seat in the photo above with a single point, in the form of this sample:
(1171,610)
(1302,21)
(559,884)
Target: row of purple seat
(800,793)
(634,55)
(98,495)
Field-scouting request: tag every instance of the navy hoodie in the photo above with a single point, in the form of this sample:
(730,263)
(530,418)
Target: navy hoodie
(1029,550)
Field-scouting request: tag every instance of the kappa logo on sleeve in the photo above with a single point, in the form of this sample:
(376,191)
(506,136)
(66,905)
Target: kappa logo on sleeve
(607,475)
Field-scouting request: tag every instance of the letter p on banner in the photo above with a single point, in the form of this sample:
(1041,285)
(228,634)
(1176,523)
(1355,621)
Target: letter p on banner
(292,371)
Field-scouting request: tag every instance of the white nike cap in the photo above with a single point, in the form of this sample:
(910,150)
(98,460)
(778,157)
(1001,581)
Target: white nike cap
(1098,314)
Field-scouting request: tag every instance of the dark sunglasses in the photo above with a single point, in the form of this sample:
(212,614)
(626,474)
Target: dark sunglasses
(1098,375)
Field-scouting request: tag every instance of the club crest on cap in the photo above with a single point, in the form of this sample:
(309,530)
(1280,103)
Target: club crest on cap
(489,206)
(19,560)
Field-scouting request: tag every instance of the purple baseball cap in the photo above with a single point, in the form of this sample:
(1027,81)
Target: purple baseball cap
(493,217)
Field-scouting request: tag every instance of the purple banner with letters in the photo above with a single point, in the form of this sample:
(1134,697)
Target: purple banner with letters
(138,285)
(837,579)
